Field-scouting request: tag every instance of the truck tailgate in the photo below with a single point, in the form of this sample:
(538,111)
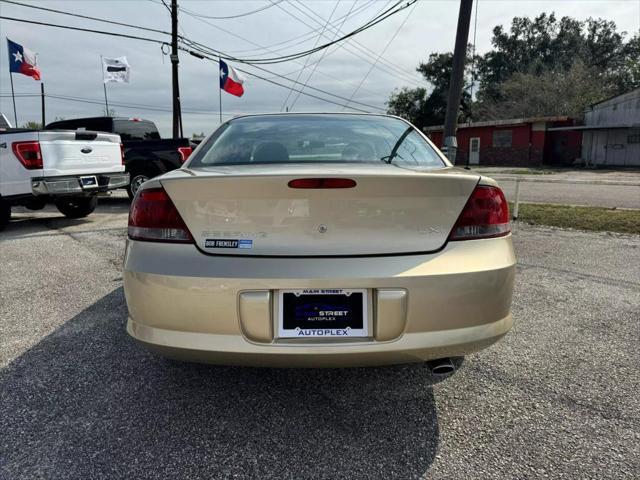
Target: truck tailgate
(79,152)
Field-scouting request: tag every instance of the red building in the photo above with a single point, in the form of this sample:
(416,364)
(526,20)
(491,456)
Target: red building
(523,142)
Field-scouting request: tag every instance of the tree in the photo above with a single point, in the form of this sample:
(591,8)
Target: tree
(539,66)
(422,108)
(545,45)
(549,93)
(409,103)
(32,125)
(630,77)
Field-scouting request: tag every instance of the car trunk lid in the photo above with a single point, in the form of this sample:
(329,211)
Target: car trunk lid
(252,210)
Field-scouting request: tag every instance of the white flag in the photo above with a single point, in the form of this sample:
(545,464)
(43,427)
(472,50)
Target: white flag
(115,70)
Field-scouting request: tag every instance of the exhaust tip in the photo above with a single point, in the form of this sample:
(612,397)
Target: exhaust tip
(441,366)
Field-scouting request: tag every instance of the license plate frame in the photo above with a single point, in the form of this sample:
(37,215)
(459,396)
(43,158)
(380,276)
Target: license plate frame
(89,181)
(341,310)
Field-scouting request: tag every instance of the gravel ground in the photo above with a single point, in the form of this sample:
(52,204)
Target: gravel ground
(557,398)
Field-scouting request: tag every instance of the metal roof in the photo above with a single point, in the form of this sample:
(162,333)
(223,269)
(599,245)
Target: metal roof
(596,127)
(608,99)
(500,123)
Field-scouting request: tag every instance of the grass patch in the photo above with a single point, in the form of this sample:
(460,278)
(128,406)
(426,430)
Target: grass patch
(515,171)
(582,218)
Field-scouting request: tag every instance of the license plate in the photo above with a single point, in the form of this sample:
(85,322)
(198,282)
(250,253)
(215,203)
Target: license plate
(89,182)
(315,313)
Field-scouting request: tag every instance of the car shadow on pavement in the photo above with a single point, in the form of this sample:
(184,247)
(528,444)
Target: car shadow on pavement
(89,402)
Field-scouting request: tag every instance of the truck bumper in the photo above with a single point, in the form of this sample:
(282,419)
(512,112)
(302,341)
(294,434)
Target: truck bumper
(73,185)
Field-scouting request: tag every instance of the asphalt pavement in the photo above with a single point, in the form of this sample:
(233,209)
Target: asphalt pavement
(556,398)
(611,196)
(588,187)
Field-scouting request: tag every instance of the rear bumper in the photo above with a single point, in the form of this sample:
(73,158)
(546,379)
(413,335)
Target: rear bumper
(71,185)
(235,350)
(191,306)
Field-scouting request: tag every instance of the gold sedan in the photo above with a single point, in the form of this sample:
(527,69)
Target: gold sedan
(319,240)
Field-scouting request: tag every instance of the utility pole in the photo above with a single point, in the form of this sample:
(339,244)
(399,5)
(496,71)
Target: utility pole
(457,80)
(177,116)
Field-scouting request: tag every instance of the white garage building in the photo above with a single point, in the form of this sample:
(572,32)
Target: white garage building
(611,132)
(611,135)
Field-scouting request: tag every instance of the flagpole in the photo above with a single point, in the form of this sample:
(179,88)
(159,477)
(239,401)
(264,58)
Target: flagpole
(106,102)
(13,96)
(219,91)
(104,86)
(42,99)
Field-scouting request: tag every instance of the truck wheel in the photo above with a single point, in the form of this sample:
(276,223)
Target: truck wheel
(5,214)
(137,179)
(76,207)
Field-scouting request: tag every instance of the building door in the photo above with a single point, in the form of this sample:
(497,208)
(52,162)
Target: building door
(474,151)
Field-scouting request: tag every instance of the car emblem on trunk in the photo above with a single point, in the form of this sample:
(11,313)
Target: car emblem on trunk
(322,228)
(87,150)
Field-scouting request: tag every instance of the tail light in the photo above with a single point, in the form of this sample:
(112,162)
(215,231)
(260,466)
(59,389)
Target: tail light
(184,153)
(485,215)
(322,183)
(122,154)
(153,217)
(28,154)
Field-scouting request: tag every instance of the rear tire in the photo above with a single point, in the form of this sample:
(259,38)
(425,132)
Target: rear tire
(5,214)
(76,207)
(137,179)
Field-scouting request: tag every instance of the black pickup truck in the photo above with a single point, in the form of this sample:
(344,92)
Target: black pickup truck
(146,155)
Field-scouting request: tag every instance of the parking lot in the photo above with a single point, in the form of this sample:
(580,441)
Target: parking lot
(557,398)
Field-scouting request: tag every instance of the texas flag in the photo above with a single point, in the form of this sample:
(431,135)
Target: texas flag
(230,80)
(22,60)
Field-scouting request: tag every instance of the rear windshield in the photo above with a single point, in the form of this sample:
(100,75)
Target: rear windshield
(94,124)
(136,130)
(316,138)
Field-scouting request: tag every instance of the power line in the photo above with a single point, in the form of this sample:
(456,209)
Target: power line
(86,17)
(132,106)
(166,6)
(396,8)
(382,53)
(306,36)
(232,16)
(285,58)
(197,45)
(306,61)
(397,71)
(209,56)
(214,59)
(381,17)
(347,46)
(324,54)
(101,32)
(125,24)
(274,3)
(200,48)
(8,95)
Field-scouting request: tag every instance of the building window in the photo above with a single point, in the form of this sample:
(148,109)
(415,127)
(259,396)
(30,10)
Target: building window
(502,138)
(634,137)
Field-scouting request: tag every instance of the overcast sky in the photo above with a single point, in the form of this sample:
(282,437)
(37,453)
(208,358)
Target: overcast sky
(70,60)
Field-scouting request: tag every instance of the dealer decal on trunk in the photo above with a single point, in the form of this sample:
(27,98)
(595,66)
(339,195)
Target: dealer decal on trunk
(227,243)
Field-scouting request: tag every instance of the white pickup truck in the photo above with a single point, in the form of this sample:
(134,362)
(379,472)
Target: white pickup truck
(67,167)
